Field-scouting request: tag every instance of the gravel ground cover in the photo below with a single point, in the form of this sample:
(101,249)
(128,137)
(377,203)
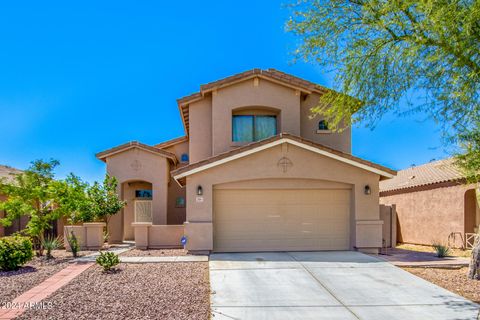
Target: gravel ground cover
(454,280)
(136,291)
(14,283)
(154,253)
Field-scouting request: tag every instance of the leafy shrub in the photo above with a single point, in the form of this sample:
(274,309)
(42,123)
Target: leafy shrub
(15,251)
(73,243)
(441,250)
(107,260)
(51,243)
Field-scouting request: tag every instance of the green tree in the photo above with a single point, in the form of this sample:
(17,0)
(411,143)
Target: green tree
(72,199)
(104,198)
(383,51)
(32,194)
(468,157)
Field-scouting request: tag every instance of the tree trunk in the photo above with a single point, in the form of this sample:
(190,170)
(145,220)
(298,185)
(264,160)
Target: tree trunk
(474,269)
(41,237)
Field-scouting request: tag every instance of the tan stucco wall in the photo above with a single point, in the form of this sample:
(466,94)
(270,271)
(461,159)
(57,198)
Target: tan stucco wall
(245,94)
(210,119)
(135,165)
(89,235)
(179,149)
(336,140)
(157,236)
(175,215)
(129,209)
(200,118)
(307,166)
(429,215)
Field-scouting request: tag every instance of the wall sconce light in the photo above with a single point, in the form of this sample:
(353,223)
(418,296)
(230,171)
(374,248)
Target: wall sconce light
(199,190)
(367,190)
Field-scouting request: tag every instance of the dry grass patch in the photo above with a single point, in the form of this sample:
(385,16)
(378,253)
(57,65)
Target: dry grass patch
(421,248)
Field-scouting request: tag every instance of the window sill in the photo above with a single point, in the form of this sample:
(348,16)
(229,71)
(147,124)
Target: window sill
(239,144)
(324,131)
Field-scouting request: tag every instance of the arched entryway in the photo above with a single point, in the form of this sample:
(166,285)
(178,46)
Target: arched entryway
(472,211)
(139,208)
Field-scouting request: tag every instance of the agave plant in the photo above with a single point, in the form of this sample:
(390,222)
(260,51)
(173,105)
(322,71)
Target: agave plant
(51,243)
(441,250)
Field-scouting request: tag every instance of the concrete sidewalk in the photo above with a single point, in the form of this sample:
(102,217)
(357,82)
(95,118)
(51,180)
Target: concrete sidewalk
(325,285)
(151,259)
(118,249)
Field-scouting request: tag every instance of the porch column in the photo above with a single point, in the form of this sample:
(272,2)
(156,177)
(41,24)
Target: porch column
(115,224)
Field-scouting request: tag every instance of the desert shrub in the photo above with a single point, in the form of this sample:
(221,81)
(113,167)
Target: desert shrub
(441,250)
(15,251)
(73,243)
(50,244)
(107,260)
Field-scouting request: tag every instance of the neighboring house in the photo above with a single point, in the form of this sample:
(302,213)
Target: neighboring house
(255,172)
(433,202)
(8,174)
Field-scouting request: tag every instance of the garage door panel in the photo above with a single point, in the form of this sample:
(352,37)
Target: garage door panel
(253,220)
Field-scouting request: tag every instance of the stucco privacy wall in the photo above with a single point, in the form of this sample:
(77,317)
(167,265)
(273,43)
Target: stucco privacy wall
(139,165)
(339,141)
(429,215)
(248,94)
(306,166)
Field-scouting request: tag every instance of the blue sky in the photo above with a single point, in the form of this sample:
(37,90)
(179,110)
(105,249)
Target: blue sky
(77,78)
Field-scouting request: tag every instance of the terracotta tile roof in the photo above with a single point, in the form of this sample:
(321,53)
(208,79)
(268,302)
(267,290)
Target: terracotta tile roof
(8,173)
(431,173)
(135,144)
(257,144)
(170,143)
(271,74)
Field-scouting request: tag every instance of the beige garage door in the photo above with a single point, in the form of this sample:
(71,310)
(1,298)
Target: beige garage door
(280,220)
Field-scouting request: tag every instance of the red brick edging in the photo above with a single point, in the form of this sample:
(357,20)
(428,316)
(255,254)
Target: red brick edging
(33,297)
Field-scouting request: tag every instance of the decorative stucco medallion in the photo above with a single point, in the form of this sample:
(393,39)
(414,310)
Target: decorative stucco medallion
(284,163)
(136,165)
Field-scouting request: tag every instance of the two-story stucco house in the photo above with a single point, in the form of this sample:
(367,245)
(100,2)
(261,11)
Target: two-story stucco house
(254,172)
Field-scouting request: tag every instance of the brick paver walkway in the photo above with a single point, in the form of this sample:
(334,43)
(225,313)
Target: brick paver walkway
(33,297)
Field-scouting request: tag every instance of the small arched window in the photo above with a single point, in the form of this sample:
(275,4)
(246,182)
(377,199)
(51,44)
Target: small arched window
(322,125)
(184,158)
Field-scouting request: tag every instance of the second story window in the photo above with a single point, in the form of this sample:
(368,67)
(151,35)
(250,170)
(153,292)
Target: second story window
(323,125)
(247,128)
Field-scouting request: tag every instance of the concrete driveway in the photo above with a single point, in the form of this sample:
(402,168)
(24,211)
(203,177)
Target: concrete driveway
(325,285)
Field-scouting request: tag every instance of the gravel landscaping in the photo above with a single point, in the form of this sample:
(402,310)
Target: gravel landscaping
(14,283)
(154,253)
(136,291)
(454,280)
